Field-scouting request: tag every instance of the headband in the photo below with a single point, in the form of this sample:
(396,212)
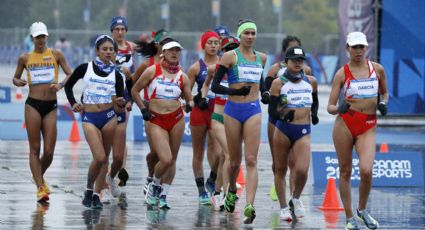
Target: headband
(207,35)
(246,25)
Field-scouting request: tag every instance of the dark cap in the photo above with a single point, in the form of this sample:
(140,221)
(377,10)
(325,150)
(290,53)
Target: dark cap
(295,52)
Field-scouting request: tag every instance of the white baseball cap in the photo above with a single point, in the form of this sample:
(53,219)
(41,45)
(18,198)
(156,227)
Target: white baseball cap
(38,28)
(356,38)
(170,45)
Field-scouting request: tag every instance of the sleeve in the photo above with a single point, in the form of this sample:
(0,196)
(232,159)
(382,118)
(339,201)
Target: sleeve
(78,73)
(216,87)
(274,102)
(129,86)
(119,84)
(315,105)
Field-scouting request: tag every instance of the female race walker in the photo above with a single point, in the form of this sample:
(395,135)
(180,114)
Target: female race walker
(200,119)
(364,87)
(217,126)
(276,70)
(293,99)
(165,83)
(42,66)
(242,112)
(101,82)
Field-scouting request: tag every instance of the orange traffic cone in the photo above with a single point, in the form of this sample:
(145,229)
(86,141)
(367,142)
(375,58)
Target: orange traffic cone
(75,134)
(241,178)
(331,201)
(384,148)
(18,94)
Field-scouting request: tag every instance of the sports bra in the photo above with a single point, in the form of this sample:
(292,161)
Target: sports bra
(161,87)
(245,70)
(296,95)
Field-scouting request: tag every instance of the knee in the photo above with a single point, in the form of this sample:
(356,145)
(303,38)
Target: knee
(345,173)
(101,160)
(280,169)
(366,174)
(35,149)
(250,161)
(48,152)
(167,161)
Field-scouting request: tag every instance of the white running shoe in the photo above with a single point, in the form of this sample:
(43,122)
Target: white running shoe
(105,196)
(216,202)
(115,190)
(297,207)
(285,214)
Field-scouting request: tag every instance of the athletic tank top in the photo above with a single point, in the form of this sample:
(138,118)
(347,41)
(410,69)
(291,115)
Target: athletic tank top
(42,68)
(145,90)
(122,53)
(244,70)
(296,95)
(97,89)
(200,78)
(221,99)
(161,87)
(361,88)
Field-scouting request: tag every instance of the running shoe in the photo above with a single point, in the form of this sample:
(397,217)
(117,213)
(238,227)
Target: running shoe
(249,213)
(88,197)
(285,214)
(115,190)
(152,196)
(42,195)
(146,186)
(105,196)
(123,176)
(230,201)
(210,188)
(96,204)
(216,202)
(367,219)
(204,198)
(272,193)
(297,207)
(351,224)
(163,204)
(45,187)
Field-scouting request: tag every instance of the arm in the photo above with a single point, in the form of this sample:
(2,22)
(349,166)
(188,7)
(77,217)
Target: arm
(208,80)
(315,105)
(383,91)
(191,74)
(275,99)
(140,69)
(75,76)
(17,81)
(187,95)
(141,83)
(335,91)
(60,58)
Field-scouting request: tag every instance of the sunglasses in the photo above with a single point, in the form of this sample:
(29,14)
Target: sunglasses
(358,47)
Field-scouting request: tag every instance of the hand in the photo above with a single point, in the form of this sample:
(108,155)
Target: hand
(187,108)
(265,97)
(289,116)
(120,102)
(203,104)
(344,107)
(19,82)
(196,98)
(383,109)
(147,115)
(129,106)
(243,91)
(55,87)
(77,107)
(314,119)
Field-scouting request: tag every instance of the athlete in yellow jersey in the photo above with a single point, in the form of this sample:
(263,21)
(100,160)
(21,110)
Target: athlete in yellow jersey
(41,65)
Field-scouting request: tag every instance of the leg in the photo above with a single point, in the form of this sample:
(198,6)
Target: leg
(365,148)
(34,123)
(251,137)
(176,136)
(270,133)
(49,131)
(281,150)
(118,149)
(301,164)
(233,131)
(198,142)
(219,134)
(292,175)
(343,142)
